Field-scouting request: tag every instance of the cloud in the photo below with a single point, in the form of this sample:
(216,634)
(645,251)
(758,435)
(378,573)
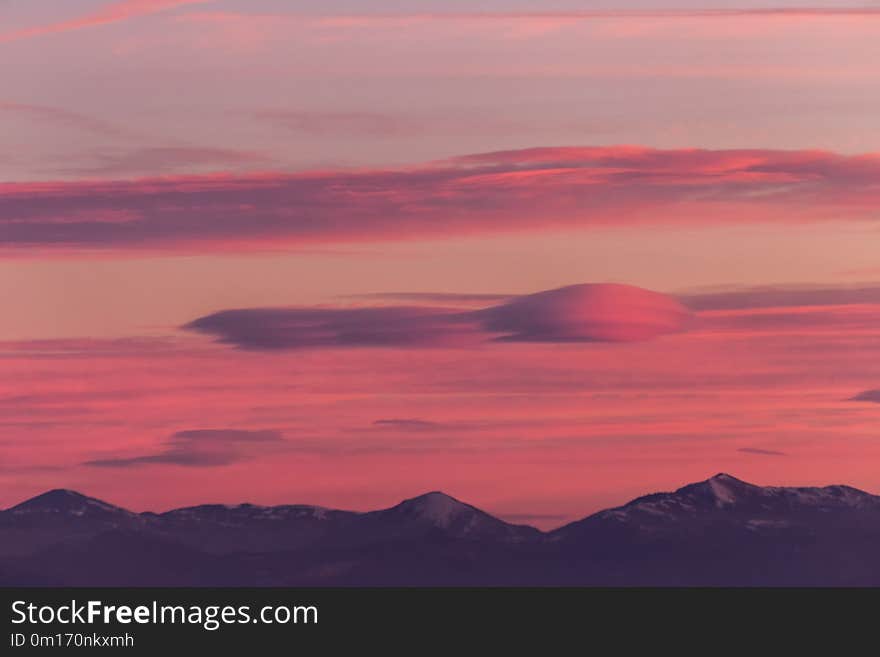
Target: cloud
(795,320)
(863,271)
(371,124)
(203,448)
(458,299)
(605,312)
(297,328)
(578,313)
(340,123)
(85,347)
(586,313)
(867,396)
(137,160)
(168,158)
(526,190)
(63,117)
(779,297)
(113,12)
(550,17)
(731,298)
(761,452)
(408,424)
(802,310)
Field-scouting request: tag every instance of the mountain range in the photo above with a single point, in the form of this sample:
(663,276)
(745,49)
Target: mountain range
(718,532)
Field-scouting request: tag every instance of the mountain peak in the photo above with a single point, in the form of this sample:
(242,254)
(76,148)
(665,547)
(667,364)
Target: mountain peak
(60,493)
(722,479)
(64,501)
(725,493)
(437,507)
(438,511)
(721,490)
(436,495)
(726,478)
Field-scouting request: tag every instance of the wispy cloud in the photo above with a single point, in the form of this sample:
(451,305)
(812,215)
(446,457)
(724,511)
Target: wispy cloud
(408,424)
(339,123)
(112,12)
(203,448)
(453,298)
(64,117)
(782,296)
(365,19)
(129,152)
(537,189)
(761,452)
(360,124)
(872,396)
(167,159)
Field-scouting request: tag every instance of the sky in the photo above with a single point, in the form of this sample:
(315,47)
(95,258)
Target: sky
(544,257)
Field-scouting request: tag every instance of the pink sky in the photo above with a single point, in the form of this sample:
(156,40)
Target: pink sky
(170,161)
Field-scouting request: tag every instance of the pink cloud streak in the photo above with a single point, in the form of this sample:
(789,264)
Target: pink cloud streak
(364,19)
(111,13)
(512,191)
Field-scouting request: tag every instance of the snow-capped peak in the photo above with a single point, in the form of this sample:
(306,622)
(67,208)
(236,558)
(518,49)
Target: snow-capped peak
(724,478)
(438,508)
(720,491)
(724,493)
(725,488)
(67,502)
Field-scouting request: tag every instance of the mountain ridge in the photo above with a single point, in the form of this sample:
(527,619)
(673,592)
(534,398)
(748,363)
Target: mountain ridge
(723,489)
(720,531)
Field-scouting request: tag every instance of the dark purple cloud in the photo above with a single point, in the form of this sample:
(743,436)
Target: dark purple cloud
(442,298)
(533,189)
(868,396)
(292,328)
(577,313)
(780,297)
(794,320)
(408,424)
(203,448)
(761,452)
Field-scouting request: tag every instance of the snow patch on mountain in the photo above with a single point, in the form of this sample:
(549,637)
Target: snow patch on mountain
(232,513)
(724,494)
(439,509)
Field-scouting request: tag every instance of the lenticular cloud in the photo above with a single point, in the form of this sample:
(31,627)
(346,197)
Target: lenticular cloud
(577,313)
(602,312)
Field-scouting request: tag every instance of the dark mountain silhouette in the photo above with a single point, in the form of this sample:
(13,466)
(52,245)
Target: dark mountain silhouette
(59,516)
(721,531)
(439,514)
(724,531)
(60,503)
